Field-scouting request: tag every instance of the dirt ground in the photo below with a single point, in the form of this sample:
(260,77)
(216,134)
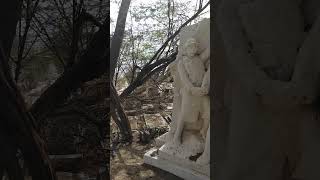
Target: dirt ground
(127,164)
(145,111)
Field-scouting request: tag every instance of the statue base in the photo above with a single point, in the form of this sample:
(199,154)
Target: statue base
(188,171)
(179,160)
(159,141)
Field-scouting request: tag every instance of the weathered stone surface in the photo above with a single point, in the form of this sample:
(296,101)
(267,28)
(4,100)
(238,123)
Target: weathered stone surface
(187,170)
(268,55)
(188,136)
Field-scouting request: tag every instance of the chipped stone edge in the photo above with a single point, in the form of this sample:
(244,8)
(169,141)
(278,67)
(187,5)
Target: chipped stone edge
(172,168)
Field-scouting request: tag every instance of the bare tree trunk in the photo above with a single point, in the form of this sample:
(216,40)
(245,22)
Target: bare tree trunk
(119,115)
(117,37)
(16,125)
(23,39)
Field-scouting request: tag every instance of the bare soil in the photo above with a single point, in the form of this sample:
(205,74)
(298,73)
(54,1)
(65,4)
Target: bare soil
(146,110)
(127,164)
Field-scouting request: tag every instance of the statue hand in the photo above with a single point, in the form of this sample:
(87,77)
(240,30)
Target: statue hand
(288,93)
(198,91)
(304,94)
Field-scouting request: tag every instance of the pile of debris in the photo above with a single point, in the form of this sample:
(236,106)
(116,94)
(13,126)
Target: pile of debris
(76,132)
(149,110)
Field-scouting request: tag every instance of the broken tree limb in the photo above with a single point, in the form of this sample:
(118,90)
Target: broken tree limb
(92,64)
(119,115)
(151,65)
(146,73)
(160,50)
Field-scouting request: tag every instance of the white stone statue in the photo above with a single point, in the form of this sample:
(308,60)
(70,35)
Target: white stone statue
(204,159)
(191,70)
(176,100)
(185,149)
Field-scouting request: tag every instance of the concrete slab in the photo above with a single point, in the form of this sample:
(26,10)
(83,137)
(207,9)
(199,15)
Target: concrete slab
(152,158)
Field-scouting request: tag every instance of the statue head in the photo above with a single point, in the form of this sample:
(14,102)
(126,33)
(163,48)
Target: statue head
(191,47)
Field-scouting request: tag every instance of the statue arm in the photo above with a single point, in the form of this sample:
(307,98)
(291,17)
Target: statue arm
(183,75)
(205,55)
(236,47)
(206,81)
(306,74)
(205,86)
(242,64)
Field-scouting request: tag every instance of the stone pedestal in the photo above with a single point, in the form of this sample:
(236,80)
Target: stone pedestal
(161,140)
(184,169)
(179,160)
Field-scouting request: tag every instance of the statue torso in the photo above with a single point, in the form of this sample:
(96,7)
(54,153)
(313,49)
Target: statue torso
(195,70)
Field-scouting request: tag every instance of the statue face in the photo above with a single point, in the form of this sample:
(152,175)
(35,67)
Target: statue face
(191,47)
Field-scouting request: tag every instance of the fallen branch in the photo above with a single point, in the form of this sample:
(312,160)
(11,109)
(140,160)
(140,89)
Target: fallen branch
(146,72)
(149,67)
(92,64)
